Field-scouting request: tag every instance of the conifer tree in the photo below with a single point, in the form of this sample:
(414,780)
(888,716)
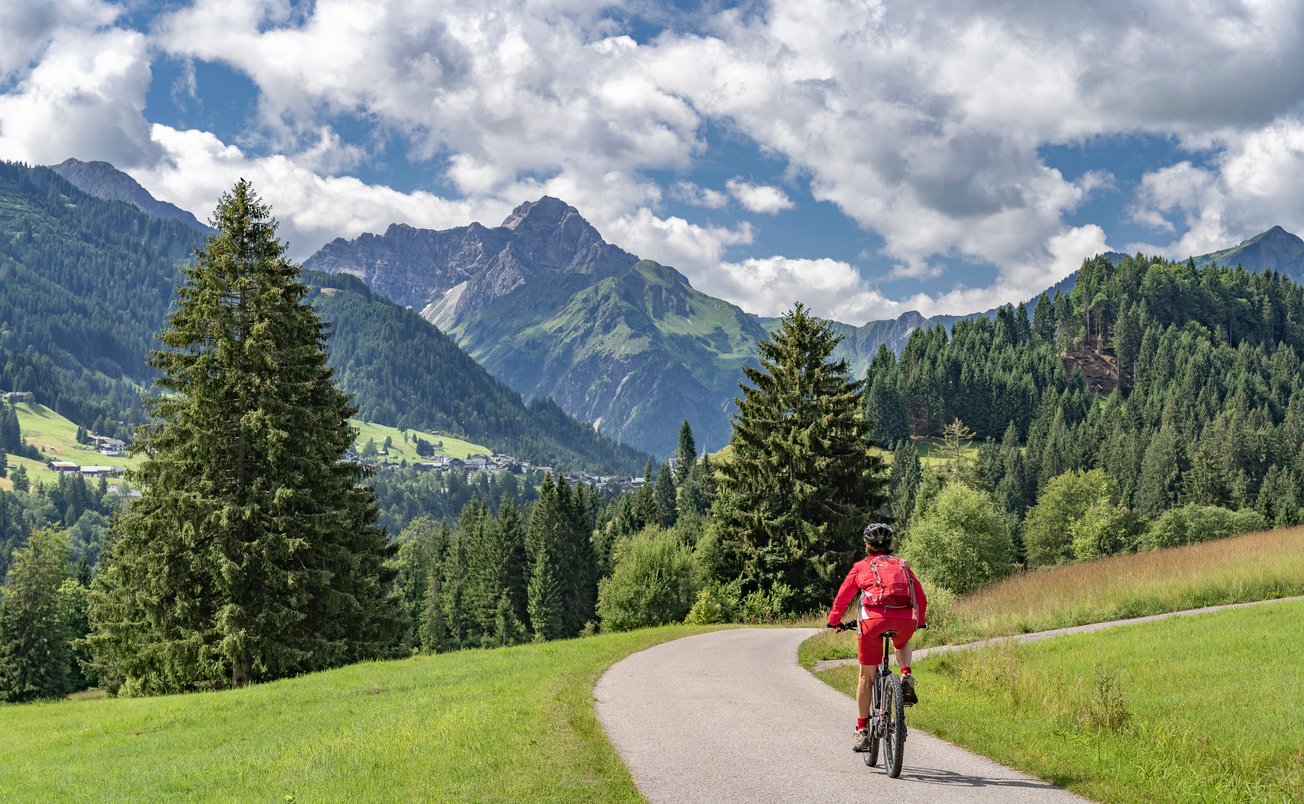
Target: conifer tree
(486,564)
(433,630)
(4,463)
(803,480)
(663,497)
(904,482)
(955,441)
(421,551)
(508,630)
(253,553)
(686,454)
(20,480)
(545,598)
(576,565)
(1160,484)
(35,656)
(453,588)
(11,438)
(511,527)
(695,494)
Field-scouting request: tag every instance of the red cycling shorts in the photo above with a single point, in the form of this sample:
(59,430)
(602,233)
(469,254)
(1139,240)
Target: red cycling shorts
(869,646)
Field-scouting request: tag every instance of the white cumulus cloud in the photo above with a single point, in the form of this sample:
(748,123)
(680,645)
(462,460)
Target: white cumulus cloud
(759,198)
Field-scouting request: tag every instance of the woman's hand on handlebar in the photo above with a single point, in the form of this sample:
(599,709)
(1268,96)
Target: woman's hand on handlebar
(840,627)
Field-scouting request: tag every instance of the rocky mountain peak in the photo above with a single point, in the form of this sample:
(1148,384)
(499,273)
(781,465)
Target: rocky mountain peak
(102,180)
(545,214)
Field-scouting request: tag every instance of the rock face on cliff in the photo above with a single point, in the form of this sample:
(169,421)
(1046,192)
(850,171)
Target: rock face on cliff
(553,310)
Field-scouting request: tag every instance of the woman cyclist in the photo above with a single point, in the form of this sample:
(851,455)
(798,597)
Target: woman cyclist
(891,599)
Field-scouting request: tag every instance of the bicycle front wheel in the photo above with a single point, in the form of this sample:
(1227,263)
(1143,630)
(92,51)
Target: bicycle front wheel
(894,721)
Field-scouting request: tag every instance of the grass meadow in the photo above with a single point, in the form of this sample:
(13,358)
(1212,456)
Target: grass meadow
(1238,569)
(56,438)
(507,724)
(399,450)
(1203,708)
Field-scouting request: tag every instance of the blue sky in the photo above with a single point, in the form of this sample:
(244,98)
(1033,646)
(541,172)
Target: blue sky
(866,158)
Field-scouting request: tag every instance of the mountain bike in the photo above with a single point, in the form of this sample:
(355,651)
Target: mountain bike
(887,712)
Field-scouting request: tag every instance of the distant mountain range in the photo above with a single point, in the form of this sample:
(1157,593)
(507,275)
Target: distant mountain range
(88,282)
(554,311)
(549,307)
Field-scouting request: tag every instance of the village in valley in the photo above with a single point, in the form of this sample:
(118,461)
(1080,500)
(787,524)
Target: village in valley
(67,449)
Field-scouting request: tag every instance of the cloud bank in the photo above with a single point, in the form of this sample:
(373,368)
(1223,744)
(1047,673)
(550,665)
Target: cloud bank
(923,123)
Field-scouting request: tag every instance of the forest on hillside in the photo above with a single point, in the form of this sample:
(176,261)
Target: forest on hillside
(1189,392)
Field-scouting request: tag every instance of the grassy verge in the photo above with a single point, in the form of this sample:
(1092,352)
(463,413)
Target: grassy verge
(507,724)
(1256,566)
(1200,708)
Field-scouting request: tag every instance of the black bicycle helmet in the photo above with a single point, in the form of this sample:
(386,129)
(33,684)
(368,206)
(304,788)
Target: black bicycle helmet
(878,537)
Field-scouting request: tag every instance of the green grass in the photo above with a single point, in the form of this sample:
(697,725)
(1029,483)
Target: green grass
(56,438)
(401,451)
(1204,708)
(1255,566)
(507,724)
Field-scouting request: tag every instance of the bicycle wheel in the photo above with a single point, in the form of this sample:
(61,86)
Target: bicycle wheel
(871,756)
(894,732)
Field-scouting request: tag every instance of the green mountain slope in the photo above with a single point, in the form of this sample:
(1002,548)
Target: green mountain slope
(554,311)
(638,352)
(402,369)
(86,283)
(1275,249)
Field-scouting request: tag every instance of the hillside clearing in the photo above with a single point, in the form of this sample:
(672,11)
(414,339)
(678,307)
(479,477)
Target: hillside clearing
(1174,710)
(505,724)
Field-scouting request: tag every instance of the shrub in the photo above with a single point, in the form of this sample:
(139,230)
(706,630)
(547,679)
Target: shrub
(1048,532)
(654,582)
(716,603)
(766,606)
(962,541)
(1199,523)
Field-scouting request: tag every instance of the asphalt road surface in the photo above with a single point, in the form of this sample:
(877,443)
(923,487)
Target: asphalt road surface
(730,716)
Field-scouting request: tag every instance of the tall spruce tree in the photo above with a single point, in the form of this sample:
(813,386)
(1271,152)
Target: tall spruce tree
(663,497)
(433,631)
(686,453)
(511,527)
(35,656)
(803,479)
(545,598)
(253,553)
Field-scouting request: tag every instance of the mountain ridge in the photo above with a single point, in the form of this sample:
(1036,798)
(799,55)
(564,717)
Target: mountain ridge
(552,309)
(104,181)
(89,282)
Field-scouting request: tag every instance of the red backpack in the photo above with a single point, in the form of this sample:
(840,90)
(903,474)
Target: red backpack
(890,584)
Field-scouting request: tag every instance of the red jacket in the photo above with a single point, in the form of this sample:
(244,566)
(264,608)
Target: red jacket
(862,577)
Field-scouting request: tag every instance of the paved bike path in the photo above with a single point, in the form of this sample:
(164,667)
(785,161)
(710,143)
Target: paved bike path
(730,716)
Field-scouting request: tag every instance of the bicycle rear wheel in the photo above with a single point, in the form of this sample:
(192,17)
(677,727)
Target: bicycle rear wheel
(894,732)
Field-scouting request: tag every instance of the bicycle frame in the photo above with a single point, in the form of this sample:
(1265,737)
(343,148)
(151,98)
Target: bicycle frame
(876,697)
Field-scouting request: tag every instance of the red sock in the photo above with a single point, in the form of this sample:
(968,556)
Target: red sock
(862,722)
(905,671)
